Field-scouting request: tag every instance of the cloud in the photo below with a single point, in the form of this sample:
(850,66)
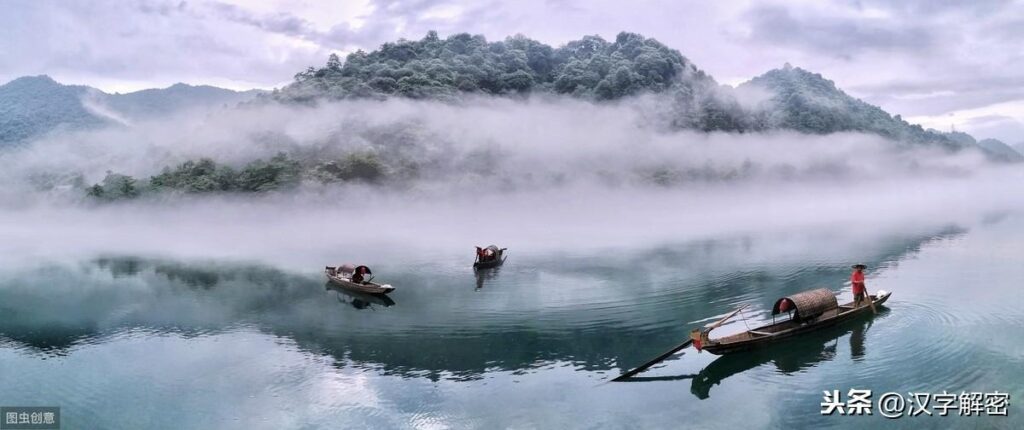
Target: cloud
(836,35)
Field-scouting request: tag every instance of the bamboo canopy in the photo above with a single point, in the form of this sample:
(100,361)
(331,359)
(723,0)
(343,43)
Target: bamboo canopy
(807,304)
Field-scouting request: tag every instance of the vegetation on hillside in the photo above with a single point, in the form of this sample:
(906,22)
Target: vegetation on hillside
(207,176)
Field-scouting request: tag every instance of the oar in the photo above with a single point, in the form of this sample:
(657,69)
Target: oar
(870,302)
(656,360)
(726,318)
(668,353)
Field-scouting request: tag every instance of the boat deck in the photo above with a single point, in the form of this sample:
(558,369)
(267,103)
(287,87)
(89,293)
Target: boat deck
(771,329)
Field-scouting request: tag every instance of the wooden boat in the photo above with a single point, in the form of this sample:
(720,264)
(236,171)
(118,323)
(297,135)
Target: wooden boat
(497,260)
(356,297)
(342,277)
(809,311)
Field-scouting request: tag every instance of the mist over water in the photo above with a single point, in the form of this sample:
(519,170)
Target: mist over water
(538,172)
(622,236)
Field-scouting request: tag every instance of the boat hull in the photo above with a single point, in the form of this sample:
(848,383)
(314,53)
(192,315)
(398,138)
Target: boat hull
(365,287)
(489,264)
(748,340)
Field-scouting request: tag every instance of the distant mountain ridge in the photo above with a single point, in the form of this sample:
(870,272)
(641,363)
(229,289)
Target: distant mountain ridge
(31,106)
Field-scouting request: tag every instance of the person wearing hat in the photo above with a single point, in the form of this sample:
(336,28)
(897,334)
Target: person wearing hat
(857,280)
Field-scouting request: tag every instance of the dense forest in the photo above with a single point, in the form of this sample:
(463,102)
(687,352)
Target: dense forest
(595,69)
(462,64)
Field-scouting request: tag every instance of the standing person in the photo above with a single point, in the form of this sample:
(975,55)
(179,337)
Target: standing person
(857,281)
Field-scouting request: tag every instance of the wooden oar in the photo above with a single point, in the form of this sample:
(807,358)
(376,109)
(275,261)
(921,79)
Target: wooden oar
(870,302)
(656,360)
(726,318)
(669,353)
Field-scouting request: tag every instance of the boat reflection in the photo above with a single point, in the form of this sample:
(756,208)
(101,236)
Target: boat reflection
(485,275)
(359,300)
(794,356)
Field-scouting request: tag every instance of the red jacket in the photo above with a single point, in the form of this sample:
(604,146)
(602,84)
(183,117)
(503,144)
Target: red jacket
(857,279)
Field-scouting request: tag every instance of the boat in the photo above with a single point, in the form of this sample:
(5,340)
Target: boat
(489,257)
(808,311)
(809,351)
(359,300)
(345,276)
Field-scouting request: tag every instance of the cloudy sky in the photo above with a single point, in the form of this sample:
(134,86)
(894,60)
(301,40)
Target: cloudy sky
(936,62)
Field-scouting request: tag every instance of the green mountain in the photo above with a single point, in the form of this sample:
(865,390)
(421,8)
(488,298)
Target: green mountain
(596,69)
(809,103)
(31,106)
(438,68)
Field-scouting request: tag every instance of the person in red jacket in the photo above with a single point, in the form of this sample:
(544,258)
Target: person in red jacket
(857,281)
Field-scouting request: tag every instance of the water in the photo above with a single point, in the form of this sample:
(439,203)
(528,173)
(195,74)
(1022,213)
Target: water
(130,342)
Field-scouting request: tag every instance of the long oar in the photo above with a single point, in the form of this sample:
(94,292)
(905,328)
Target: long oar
(726,318)
(870,302)
(668,353)
(656,360)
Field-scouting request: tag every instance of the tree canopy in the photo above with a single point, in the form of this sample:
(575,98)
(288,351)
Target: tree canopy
(462,63)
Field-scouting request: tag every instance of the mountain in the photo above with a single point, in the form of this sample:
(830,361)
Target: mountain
(462,63)
(31,106)
(177,97)
(807,102)
(1000,151)
(596,69)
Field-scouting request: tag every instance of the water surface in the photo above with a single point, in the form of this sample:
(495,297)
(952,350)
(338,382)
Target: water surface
(129,341)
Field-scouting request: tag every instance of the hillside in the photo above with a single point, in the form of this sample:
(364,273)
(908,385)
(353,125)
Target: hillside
(433,67)
(34,105)
(807,102)
(596,69)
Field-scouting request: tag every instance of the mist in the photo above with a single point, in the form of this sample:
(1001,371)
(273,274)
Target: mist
(539,173)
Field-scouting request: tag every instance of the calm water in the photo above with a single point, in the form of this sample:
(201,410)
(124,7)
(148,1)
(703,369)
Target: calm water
(130,342)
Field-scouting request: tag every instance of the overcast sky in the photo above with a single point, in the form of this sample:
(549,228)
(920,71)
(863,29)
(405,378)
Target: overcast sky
(936,62)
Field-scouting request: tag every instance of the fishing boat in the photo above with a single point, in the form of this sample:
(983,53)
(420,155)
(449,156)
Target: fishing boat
(358,299)
(489,257)
(352,278)
(807,311)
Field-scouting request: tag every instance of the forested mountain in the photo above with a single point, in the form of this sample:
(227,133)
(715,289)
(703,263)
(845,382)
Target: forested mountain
(433,67)
(596,69)
(33,105)
(590,68)
(809,103)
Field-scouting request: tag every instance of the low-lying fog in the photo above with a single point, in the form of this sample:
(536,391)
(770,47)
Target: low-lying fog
(538,174)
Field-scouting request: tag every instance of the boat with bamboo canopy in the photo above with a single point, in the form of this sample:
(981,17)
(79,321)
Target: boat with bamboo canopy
(807,311)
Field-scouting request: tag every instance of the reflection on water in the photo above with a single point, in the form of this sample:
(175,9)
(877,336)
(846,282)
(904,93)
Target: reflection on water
(485,275)
(540,333)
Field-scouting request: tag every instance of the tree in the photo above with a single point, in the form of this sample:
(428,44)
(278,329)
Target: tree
(333,62)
